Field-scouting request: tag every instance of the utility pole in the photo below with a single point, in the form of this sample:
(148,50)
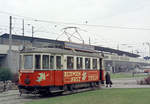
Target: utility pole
(10,43)
(149,47)
(32,33)
(10,33)
(23,32)
(89,41)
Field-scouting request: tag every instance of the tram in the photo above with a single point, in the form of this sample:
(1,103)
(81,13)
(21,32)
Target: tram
(50,70)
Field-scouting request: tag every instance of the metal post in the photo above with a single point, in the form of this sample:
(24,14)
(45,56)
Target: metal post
(10,43)
(148,47)
(32,34)
(23,32)
(10,34)
(32,31)
(89,41)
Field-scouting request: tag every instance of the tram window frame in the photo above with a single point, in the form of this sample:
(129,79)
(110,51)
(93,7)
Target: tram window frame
(95,66)
(20,62)
(70,62)
(52,62)
(45,62)
(39,62)
(87,65)
(79,62)
(29,64)
(58,62)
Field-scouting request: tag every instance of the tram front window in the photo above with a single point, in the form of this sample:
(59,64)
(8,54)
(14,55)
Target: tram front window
(28,61)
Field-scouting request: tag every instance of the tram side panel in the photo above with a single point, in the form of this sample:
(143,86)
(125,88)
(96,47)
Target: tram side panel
(37,78)
(58,78)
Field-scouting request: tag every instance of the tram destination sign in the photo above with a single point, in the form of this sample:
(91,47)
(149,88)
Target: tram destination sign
(83,47)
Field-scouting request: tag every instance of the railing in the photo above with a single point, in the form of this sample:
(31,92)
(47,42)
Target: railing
(115,57)
(5,48)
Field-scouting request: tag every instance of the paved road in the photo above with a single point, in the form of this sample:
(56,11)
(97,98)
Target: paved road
(12,96)
(128,83)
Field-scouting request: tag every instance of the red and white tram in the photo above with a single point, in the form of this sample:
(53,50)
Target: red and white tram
(49,70)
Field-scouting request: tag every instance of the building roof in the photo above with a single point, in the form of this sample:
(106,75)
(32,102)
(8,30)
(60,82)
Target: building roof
(20,37)
(98,48)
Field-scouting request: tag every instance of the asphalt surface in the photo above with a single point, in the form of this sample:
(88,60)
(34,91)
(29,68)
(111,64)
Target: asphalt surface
(128,83)
(12,96)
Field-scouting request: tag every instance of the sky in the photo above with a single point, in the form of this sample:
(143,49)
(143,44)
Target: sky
(120,13)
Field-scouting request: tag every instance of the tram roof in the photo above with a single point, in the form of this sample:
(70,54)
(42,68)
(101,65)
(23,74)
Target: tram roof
(62,52)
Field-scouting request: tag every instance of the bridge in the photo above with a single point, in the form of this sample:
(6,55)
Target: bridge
(112,57)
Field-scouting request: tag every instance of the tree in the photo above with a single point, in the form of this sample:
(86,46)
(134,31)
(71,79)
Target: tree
(5,74)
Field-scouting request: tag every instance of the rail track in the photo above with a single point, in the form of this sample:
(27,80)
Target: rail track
(13,96)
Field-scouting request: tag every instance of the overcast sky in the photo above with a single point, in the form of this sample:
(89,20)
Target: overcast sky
(124,13)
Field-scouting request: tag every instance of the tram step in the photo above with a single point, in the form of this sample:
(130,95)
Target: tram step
(55,91)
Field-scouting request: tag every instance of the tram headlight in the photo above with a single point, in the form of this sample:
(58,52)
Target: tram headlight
(27,81)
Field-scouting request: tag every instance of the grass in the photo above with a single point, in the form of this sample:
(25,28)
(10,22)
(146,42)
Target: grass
(106,96)
(127,75)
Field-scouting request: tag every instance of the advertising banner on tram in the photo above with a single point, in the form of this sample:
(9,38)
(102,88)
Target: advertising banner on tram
(80,76)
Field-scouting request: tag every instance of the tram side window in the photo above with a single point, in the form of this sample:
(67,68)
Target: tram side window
(45,61)
(94,63)
(37,61)
(51,62)
(79,62)
(70,62)
(87,63)
(28,62)
(58,62)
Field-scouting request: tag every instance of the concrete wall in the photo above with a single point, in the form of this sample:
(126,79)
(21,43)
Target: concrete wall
(4,62)
(10,61)
(13,61)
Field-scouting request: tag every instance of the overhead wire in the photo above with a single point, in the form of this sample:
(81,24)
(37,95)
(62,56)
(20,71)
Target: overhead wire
(69,23)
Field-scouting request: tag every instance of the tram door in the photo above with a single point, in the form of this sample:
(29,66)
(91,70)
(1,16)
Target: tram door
(101,70)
